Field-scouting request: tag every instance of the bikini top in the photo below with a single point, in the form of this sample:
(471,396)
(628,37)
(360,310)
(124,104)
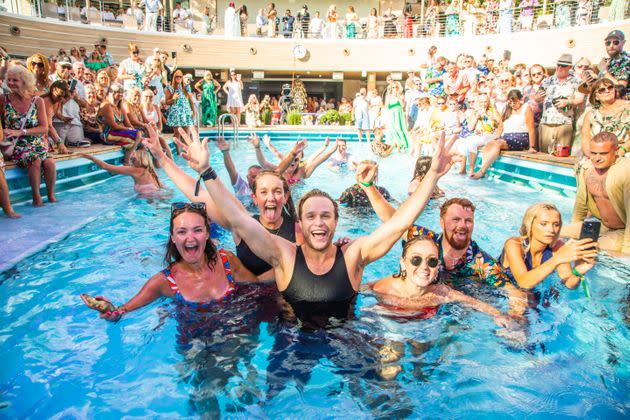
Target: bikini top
(204,305)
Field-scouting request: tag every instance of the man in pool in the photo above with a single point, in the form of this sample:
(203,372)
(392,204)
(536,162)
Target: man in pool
(317,272)
(461,256)
(341,158)
(603,191)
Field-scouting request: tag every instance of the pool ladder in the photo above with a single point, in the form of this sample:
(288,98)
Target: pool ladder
(221,127)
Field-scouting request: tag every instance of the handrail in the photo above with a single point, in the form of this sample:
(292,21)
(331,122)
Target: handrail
(221,127)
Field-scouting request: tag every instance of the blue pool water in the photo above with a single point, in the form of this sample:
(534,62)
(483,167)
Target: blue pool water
(60,360)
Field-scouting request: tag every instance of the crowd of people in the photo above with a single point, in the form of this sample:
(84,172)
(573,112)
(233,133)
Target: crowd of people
(437,18)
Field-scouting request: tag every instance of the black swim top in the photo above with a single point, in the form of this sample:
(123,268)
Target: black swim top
(251,260)
(333,286)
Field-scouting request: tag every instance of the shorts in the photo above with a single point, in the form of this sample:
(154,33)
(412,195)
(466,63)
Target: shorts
(69,132)
(123,138)
(555,134)
(516,141)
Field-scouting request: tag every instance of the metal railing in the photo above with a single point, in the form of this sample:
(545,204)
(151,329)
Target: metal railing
(221,127)
(443,23)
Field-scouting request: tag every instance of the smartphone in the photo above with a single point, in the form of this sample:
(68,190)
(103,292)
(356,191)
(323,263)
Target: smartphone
(73,84)
(507,55)
(173,54)
(590,229)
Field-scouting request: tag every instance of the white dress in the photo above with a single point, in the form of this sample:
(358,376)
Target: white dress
(229,22)
(235,98)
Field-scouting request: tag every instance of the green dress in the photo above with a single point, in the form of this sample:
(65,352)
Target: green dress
(208,104)
(397,126)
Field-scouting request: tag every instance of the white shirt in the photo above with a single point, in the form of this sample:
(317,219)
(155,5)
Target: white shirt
(180,14)
(316,25)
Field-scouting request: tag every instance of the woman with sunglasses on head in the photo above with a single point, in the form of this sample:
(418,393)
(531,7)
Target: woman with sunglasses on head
(197,275)
(415,292)
(181,111)
(131,69)
(40,67)
(608,113)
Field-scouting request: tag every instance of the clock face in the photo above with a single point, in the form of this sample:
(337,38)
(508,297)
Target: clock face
(299,51)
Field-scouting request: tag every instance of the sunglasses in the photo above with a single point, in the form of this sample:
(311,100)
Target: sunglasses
(182,205)
(538,73)
(432,262)
(38,64)
(66,67)
(563,65)
(605,89)
(135,52)
(615,43)
(585,66)
(441,103)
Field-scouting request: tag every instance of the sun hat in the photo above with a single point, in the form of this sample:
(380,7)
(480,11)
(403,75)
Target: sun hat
(565,60)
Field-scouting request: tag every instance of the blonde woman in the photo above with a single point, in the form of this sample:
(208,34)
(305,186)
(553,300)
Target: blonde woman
(208,88)
(133,109)
(40,67)
(252,112)
(331,22)
(131,69)
(531,257)
(153,116)
(146,181)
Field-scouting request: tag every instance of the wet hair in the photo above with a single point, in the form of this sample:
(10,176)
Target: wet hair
(423,164)
(606,137)
(531,214)
(407,245)
(146,162)
(289,207)
(172,255)
(512,94)
(317,193)
(464,202)
(604,81)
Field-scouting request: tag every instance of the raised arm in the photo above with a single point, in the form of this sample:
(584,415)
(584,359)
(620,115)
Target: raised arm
(377,244)
(224,147)
(255,141)
(288,158)
(365,179)
(184,182)
(121,170)
(311,165)
(267,140)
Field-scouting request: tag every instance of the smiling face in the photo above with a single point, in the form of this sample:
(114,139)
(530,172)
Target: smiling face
(457,224)
(546,227)
(425,253)
(269,197)
(614,46)
(14,82)
(318,222)
(189,236)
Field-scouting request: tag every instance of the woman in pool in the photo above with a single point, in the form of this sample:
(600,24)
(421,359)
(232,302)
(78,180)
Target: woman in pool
(198,275)
(271,195)
(423,164)
(146,181)
(414,291)
(533,256)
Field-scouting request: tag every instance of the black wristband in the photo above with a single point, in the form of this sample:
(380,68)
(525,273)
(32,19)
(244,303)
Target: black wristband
(208,174)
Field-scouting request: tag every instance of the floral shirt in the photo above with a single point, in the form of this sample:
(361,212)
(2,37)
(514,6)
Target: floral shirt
(620,68)
(437,88)
(476,263)
(555,89)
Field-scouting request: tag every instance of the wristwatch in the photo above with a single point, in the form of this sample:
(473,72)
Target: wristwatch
(24,131)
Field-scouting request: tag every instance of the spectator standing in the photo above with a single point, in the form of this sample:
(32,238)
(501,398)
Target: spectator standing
(527,14)
(408,21)
(505,16)
(584,12)
(208,21)
(272,15)
(208,88)
(351,23)
(617,66)
(243,16)
(617,10)
(372,24)
(317,26)
(331,22)
(431,18)
(287,24)
(261,22)
(233,89)
(152,7)
(492,16)
(434,77)
(559,96)
(183,17)
(131,69)
(304,20)
(360,108)
(452,19)
(389,24)
(106,56)
(181,115)
(137,13)
(562,14)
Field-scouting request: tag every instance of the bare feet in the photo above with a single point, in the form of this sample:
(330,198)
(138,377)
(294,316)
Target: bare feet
(38,202)
(478,175)
(52,199)
(471,173)
(13,215)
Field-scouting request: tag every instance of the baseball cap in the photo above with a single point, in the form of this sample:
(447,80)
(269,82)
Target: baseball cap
(616,34)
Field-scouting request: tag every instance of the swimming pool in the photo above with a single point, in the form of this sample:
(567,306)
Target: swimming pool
(61,360)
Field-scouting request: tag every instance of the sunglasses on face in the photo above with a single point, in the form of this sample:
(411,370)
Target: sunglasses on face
(182,205)
(537,74)
(615,43)
(135,52)
(38,64)
(432,262)
(605,89)
(585,66)
(564,66)
(441,103)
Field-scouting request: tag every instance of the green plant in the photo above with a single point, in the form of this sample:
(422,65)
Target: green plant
(294,117)
(331,117)
(266,117)
(346,117)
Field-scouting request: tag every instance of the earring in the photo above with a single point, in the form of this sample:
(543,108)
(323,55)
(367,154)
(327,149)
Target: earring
(403,274)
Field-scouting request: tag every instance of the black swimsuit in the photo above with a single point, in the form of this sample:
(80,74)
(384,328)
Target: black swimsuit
(250,260)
